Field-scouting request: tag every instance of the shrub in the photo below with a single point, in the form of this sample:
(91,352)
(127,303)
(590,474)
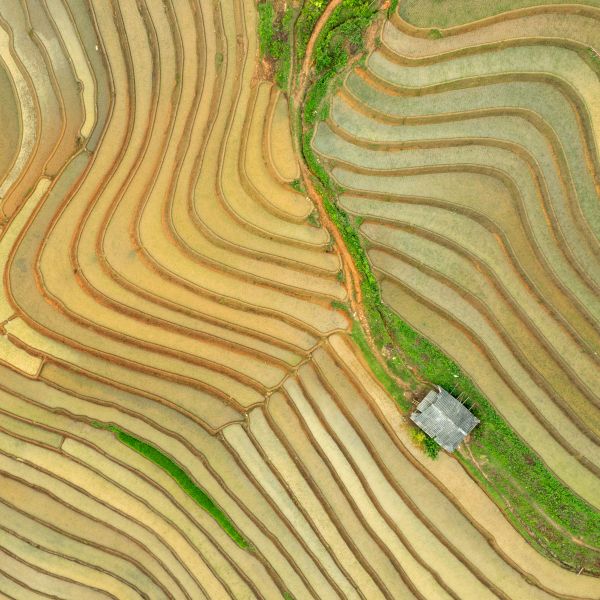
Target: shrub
(417,436)
(431,447)
(266,15)
(427,444)
(274,39)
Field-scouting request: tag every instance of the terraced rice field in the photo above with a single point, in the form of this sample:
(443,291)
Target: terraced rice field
(184,412)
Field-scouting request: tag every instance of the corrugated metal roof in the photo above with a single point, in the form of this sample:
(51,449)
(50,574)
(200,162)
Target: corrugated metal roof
(428,400)
(442,417)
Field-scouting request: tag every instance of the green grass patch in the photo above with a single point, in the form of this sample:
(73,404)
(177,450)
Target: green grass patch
(513,470)
(532,524)
(435,34)
(309,15)
(313,219)
(388,383)
(341,36)
(297,185)
(184,481)
(266,31)
(274,39)
(338,305)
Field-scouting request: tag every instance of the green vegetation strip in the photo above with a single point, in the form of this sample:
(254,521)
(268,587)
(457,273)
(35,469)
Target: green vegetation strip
(311,11)
(181,477)
(536,502)
(274,39)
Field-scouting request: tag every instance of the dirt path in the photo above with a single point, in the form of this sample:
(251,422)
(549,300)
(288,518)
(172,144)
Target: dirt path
(352,276)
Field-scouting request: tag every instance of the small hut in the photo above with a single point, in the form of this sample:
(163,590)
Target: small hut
(442,417)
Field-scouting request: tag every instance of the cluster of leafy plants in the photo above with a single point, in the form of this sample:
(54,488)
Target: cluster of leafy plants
(393,7)
(274,39)
(181,477)
(311,11)
(427,444)
(340,38)
(342,35)
(297,185)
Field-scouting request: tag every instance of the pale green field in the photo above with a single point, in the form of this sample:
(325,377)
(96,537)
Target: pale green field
(9,117)
(447,13)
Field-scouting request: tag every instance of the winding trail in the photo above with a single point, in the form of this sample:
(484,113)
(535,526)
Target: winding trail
(352,277)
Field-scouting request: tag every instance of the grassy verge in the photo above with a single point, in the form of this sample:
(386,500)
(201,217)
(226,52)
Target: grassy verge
(392,8)
(309,15)
(274,39)
(388,383)
(545,511)
(181,477)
